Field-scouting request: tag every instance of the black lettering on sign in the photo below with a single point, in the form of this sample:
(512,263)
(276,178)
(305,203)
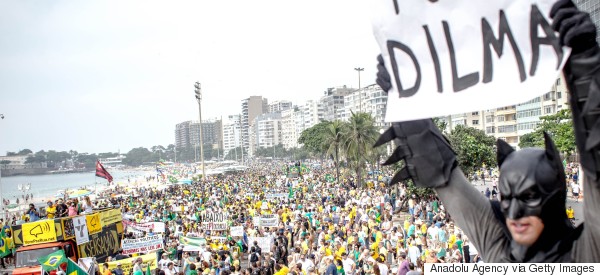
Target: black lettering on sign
(392,46)
(436,60)
(537,20)
(396,8)
(498,43)
(459,83)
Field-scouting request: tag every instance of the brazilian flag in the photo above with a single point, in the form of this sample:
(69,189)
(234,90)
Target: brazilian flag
(74,269)
(4,245)
(53,260)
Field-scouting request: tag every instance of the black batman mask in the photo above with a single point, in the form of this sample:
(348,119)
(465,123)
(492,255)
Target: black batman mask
(532,182)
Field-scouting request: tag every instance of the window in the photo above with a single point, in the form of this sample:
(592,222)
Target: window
(559,94)
(528,125)
(475,113)
(489,119)
(475,122)
(506,129)
(529,113)
(558,81)
(490,130)
(548,109)
(548,96)
(500,118)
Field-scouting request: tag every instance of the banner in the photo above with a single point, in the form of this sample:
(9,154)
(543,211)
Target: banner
(142,245)
(269,220)
(81,230)
(449,57)
(214,221)
(93,223)
(191,243)
(103,244)
(38,232)
(157,227)
(256,221)
(68,228)
(109,217)
(127,264)
(236,231)
(215,226)
(270,196)
(264,243)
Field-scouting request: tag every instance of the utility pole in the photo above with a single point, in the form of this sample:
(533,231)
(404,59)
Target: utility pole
(198,92)
(359,91)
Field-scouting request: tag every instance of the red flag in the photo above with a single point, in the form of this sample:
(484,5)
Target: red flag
(101,172)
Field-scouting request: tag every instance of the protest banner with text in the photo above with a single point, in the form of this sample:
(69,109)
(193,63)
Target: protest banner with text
(449,57)
(142,245)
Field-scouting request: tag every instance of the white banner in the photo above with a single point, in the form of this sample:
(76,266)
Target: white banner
(236,231)
(157,227)
(142,245)
(81,230)
(511,269)
(264,243)
(269,196)
(449,57)
(256,221)
(269,220)
(215,226)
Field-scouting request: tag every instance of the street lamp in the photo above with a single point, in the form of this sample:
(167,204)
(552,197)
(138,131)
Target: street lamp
(24,188)
(359,92)
(198,92)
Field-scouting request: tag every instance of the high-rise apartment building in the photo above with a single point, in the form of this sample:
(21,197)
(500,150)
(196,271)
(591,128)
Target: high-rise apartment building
(332,102)
(187,134)
(251,108)
(278,106)
(370,99)
(232,134)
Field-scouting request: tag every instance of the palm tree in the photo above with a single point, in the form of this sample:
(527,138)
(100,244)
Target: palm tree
(359,137)
(333,139)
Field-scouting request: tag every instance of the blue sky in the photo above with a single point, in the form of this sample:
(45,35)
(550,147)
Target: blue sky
(100,76)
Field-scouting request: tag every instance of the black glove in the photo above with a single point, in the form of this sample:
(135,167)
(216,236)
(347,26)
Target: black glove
(383,77)
(575,27)
(428,157)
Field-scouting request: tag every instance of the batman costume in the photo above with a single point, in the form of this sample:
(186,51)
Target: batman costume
(532,181)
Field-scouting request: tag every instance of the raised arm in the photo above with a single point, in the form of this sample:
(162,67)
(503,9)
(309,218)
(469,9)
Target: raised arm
(431,162)
(582,75)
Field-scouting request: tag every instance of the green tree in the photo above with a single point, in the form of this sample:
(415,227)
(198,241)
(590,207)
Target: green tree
(24,152)
(5,162)
(359,137)
(440,123)
(559,126)
(333,139)
(87,160)
(138,156)
(473,147)
(313,138)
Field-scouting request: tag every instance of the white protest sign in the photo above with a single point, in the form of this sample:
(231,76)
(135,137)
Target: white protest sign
(449,57)
(280,195)
(142,245)
(157,227)
(81,230)
(269,220)
(214,221)
(236,231)
(256,221)
(264,243)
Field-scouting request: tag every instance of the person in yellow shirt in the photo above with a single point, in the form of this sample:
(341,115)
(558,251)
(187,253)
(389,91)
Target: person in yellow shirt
(570,213)
(50,210)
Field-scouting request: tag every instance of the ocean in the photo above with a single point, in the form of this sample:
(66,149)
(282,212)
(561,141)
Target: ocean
(43,186)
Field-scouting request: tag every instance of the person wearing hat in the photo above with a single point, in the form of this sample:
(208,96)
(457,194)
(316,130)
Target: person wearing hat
(118,270)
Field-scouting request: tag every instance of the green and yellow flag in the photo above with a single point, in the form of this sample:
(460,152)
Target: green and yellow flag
(192,241)
(74,269)
(4,245)
(53,260)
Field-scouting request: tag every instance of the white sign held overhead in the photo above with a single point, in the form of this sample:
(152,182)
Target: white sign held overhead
(142,245)
(448,57)
(236,231)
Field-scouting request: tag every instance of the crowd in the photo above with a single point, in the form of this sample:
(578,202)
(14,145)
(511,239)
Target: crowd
(322,227)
